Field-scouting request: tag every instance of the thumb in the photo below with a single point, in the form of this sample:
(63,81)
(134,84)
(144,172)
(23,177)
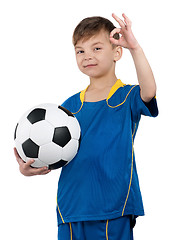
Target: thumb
(29,162)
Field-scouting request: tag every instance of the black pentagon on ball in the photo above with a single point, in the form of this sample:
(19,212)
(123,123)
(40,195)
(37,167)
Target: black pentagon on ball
(38,114)
(58,164)
(61,136)
(30,149)
(66,111)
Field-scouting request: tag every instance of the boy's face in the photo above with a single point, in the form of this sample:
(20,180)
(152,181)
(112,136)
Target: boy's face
(96,57)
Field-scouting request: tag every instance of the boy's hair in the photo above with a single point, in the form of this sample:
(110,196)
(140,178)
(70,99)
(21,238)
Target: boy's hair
(91,26)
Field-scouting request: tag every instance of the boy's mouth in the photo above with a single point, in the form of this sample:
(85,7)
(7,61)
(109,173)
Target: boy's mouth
(90,65)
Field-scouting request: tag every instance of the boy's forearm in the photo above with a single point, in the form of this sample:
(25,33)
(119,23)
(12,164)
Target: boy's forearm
(144,73)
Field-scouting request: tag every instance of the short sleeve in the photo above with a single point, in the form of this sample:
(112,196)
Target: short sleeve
(139,107)
(73,103)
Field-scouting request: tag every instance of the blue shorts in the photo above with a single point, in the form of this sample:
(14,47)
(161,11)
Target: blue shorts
(113,229)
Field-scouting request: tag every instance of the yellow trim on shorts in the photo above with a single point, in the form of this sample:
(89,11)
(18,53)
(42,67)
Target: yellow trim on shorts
(107,229)
(71,234)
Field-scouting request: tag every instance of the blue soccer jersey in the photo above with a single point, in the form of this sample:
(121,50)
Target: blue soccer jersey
(101,182)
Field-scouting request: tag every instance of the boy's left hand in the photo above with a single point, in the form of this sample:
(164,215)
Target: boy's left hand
(127,39)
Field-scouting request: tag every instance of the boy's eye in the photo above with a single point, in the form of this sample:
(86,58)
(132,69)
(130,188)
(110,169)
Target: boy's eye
(79,52)
(97,49)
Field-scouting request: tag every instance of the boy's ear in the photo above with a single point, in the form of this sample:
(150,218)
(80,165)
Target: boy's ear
(117,53)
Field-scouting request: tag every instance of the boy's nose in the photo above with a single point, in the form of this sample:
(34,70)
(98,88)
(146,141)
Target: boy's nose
(88,56)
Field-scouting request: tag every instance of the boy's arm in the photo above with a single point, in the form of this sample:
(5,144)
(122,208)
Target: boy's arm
(144,73)
(145,76)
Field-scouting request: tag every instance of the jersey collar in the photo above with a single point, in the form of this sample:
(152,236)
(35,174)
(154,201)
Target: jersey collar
(114,88)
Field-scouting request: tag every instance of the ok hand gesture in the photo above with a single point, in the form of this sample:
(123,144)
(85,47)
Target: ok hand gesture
(127,39)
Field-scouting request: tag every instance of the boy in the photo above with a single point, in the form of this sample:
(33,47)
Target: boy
(98,192)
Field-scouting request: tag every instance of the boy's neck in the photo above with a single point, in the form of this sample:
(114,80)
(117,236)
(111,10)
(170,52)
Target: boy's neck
(102,82)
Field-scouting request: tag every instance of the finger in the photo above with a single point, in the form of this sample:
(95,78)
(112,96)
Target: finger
(121,23)
(32,171)
(112,39)
(41,171)
(114,31)
(29,162)
(45,172)
(127,20)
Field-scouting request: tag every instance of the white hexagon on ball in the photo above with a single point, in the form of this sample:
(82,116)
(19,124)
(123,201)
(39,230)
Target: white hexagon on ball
(41,132)
(50,153)
(57,117)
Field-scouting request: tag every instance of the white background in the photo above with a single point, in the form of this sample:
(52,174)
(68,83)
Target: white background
(37,65)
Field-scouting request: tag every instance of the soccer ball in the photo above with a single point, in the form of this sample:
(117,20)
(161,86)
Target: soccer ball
(49,134)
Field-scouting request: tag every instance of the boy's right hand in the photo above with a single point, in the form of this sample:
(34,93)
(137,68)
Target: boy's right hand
(26,169)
